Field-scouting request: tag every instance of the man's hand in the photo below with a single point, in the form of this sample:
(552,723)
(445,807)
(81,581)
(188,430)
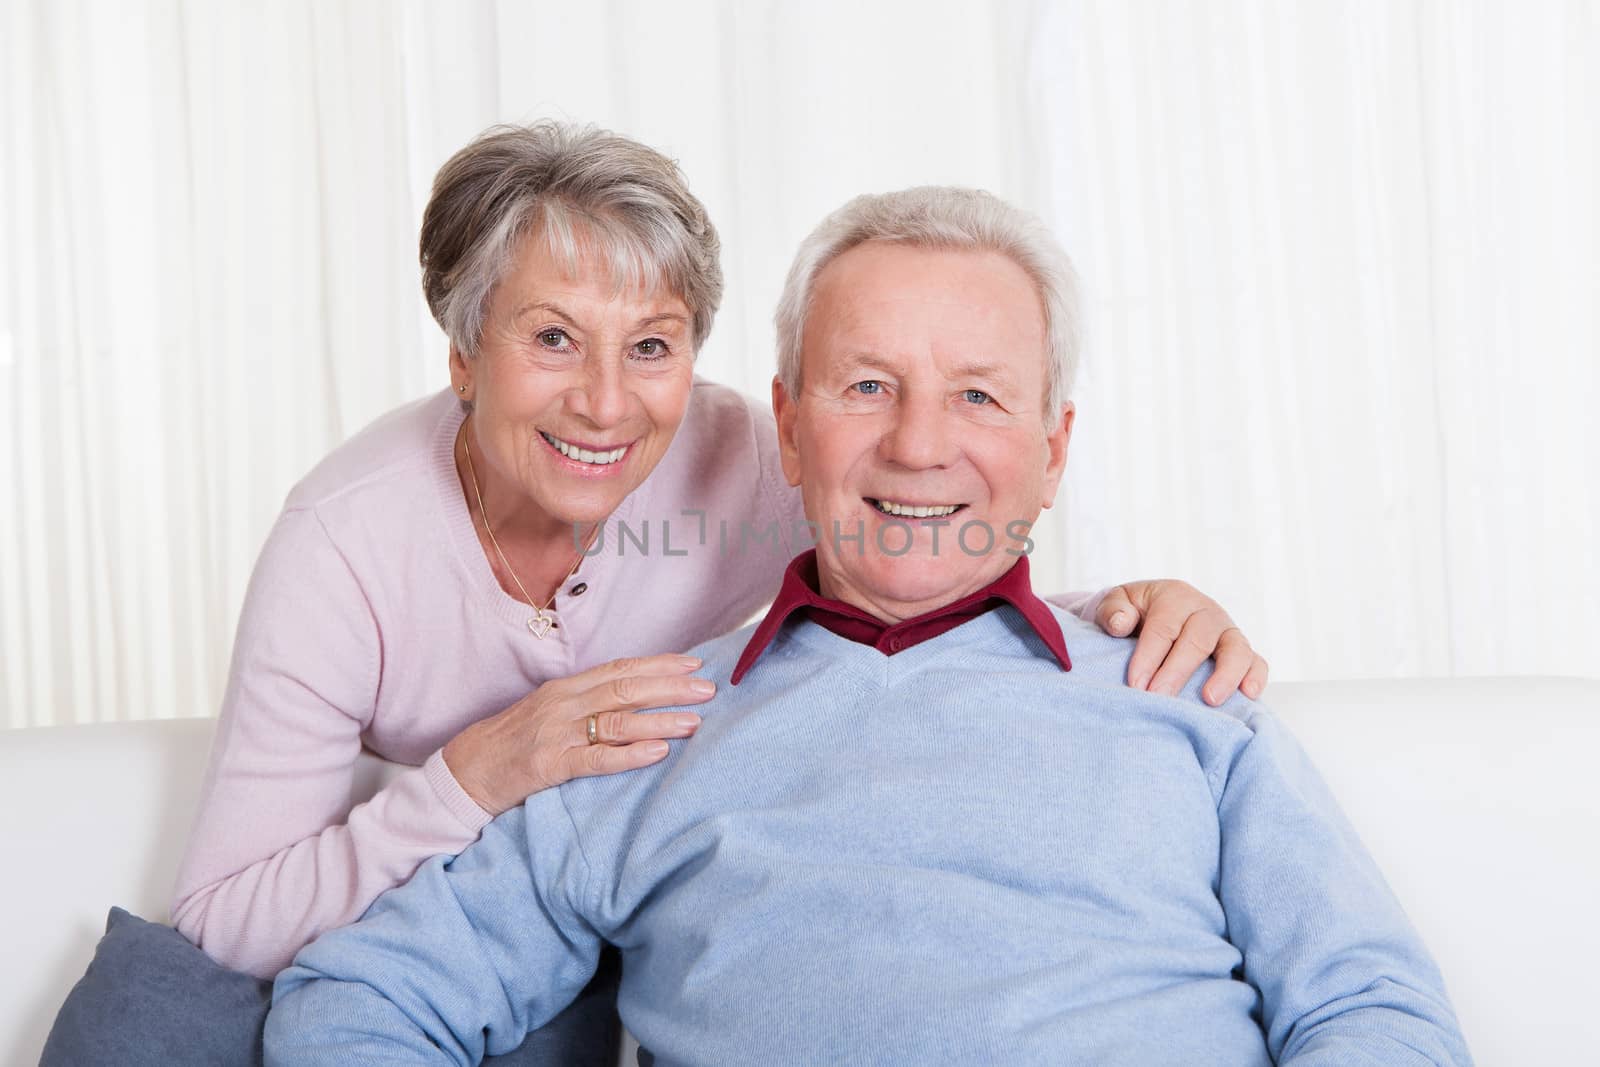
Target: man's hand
(1179,628)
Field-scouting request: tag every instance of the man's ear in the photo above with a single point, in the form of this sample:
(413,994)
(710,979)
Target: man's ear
(786,409)
(1056,441)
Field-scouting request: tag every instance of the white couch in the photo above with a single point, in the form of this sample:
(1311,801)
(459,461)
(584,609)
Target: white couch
(1479,798)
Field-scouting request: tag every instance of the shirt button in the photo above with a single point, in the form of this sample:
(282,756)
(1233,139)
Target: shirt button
(896,644)
(578,590)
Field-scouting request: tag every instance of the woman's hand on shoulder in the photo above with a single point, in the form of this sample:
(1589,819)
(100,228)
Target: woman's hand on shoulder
(543,739)
(1179,628)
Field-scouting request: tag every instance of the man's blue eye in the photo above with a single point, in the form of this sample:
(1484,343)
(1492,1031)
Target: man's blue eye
(978,396)
(868,388)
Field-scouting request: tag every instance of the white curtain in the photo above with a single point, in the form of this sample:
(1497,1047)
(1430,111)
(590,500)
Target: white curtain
(1343,266)
(1340,260)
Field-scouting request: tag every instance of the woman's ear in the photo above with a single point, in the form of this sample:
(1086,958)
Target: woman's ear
(460,374)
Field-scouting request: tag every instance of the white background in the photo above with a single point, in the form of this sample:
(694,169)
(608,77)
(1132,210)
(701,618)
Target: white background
(1341,265)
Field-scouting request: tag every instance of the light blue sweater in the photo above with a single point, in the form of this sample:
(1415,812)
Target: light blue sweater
(958,854)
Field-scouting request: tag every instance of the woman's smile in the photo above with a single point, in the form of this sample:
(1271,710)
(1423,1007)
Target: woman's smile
(591,460)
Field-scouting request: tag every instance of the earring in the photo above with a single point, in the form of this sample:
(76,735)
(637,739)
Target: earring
(461,389)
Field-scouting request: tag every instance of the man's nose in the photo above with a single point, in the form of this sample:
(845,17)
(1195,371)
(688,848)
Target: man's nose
(603,396)
(920,435)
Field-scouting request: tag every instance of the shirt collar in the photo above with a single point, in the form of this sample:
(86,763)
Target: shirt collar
(799,594)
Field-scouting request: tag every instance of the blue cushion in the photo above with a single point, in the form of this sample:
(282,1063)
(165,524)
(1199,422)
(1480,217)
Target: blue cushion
(150,997)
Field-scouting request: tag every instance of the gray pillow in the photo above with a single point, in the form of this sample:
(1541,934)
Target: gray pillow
(151,997)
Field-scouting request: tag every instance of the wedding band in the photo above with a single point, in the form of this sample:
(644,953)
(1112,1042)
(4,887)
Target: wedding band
(594,730)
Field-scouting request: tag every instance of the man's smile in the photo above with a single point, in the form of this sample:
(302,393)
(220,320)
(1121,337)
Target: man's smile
(903,510)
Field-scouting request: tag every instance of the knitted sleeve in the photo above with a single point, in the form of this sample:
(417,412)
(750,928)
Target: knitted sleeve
(1343,977)
(277,855)
(1083,605)
(460,962)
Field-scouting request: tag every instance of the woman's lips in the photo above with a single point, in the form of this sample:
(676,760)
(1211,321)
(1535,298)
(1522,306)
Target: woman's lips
(589,458)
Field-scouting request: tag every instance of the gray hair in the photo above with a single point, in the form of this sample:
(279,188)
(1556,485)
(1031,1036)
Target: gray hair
(576,188)
(948,218)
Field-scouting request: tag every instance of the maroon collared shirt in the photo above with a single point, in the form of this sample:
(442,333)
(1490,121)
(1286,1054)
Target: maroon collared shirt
(799,594)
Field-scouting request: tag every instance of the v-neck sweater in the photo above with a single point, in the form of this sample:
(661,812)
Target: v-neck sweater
(959,853)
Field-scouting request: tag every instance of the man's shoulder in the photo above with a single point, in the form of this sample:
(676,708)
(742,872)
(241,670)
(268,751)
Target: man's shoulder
(1101,660)
(1096,655)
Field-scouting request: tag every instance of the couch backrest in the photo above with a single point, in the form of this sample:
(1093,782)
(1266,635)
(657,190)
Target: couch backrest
(92,816)
(1475,796)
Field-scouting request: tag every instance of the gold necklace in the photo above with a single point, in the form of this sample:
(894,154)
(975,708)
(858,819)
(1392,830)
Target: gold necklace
(542,620)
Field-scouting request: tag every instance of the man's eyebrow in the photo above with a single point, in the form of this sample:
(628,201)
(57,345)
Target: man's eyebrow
(867,360)
(982,370)
(998,372)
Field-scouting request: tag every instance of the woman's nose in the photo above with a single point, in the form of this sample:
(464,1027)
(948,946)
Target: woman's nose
(603,397)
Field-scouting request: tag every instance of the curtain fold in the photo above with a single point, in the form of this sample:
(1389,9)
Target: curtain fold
(1340,265)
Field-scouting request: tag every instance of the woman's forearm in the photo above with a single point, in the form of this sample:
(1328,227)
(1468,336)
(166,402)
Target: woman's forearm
(255,918)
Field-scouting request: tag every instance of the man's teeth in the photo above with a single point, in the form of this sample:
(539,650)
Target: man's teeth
(909,511)
(583,455)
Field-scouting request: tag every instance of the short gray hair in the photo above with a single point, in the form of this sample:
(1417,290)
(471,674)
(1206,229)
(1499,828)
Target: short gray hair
(946,218)
(569,185)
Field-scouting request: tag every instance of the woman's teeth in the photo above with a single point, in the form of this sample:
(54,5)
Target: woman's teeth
(909,511)
(583,455)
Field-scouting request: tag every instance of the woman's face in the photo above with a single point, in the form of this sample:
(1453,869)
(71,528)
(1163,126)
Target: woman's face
(576,391)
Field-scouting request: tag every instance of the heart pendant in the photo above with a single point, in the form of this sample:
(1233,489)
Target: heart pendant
(540,625)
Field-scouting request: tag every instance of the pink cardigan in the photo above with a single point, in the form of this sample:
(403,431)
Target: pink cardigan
(373,619)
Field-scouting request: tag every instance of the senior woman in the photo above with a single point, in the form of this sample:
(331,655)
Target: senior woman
(463,586)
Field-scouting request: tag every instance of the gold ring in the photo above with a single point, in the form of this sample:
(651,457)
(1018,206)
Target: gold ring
(594,730)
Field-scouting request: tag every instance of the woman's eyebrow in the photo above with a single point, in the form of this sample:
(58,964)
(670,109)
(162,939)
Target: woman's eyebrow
(561,313)
(543,305)
(666,316)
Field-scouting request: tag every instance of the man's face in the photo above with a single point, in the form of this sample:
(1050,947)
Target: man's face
(922,391)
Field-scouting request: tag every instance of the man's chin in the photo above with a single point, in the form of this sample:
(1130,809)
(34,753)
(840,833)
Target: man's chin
(911,585)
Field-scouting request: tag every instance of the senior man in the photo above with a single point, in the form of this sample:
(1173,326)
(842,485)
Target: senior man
(923,820)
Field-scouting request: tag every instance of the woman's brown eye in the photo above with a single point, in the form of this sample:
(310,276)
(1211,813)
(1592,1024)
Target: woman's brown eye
(553,338)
